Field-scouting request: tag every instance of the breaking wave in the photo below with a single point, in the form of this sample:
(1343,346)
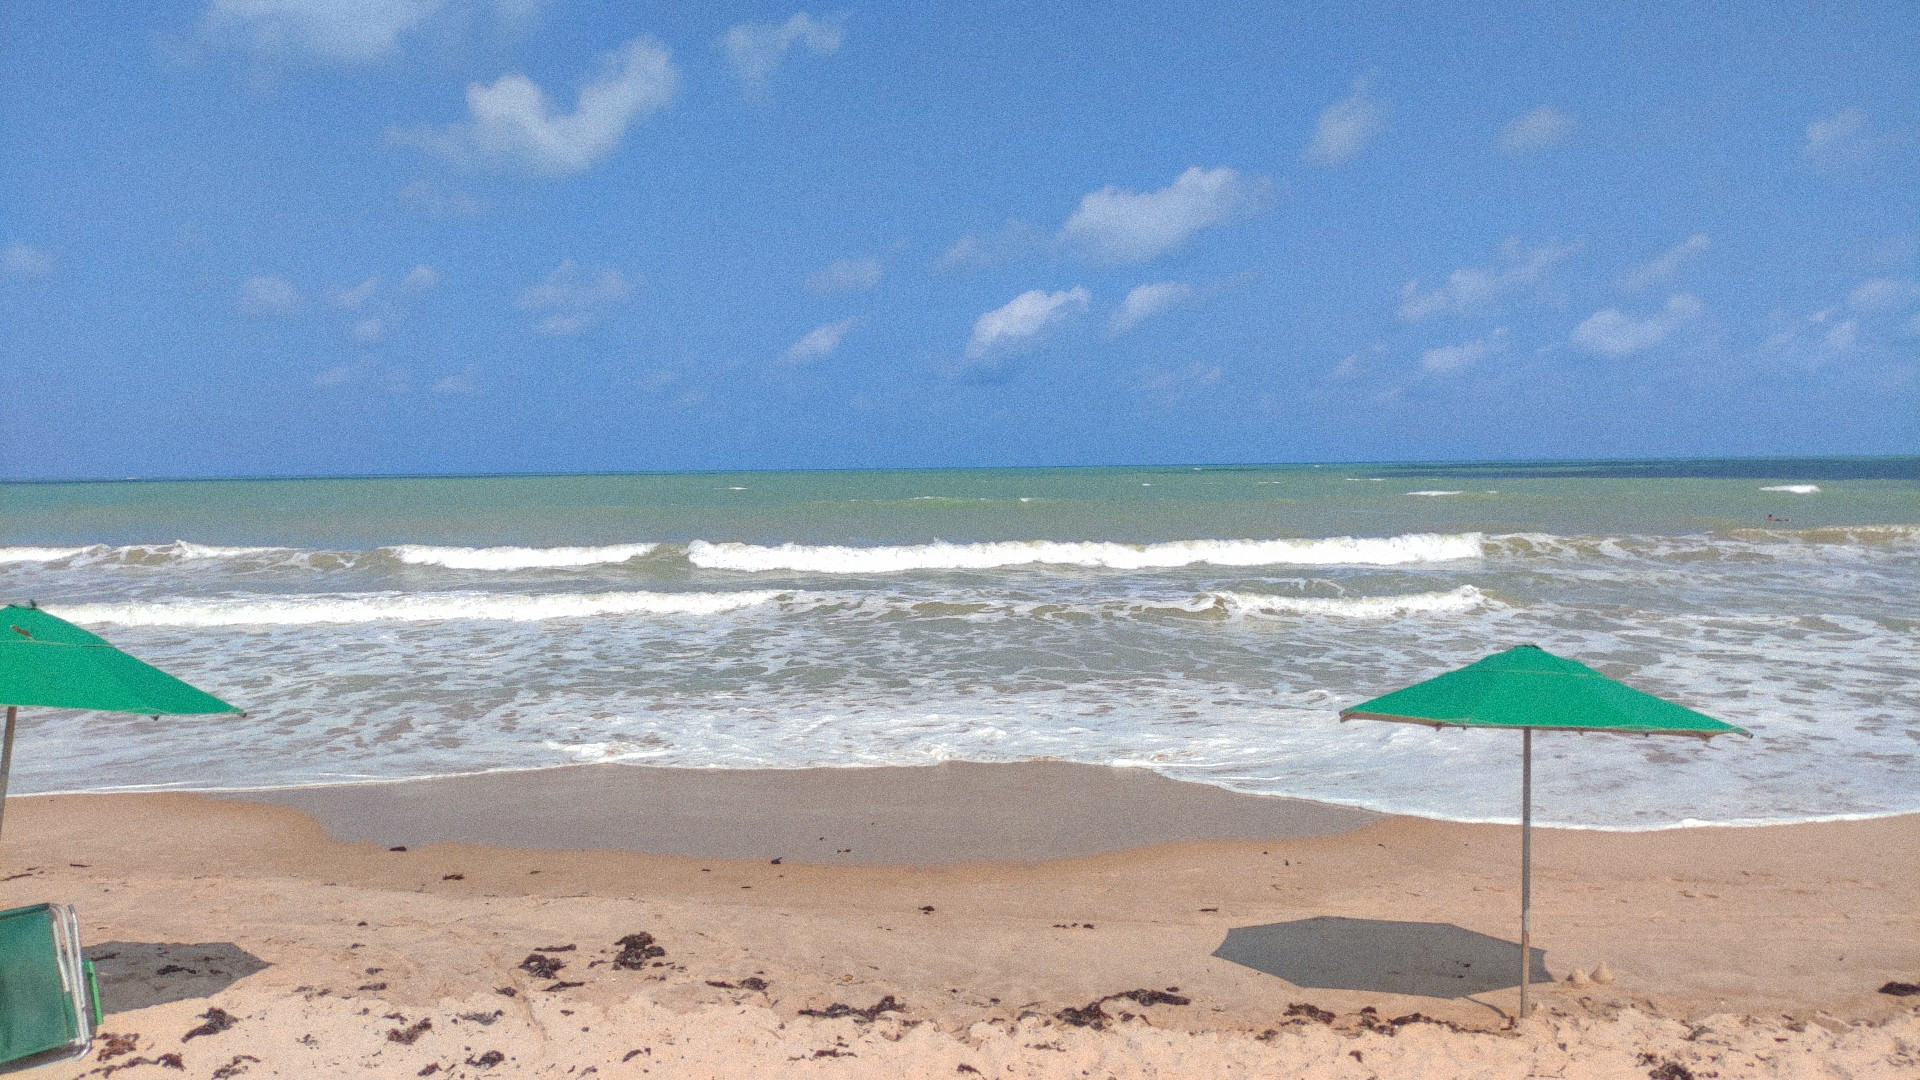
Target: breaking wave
(402,607)
(836,559)
(1464,598)
(517,558)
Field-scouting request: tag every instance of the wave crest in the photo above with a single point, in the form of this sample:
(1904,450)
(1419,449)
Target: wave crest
(940,555)
(1464,598)
(517,558)
(401,607)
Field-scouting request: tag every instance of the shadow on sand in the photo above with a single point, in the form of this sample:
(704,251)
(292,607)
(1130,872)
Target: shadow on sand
(1426,959)
(137,974)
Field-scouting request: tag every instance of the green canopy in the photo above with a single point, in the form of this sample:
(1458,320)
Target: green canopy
(50,662)
(1529,688)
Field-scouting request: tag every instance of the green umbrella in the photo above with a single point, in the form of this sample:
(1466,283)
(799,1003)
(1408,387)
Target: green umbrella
(54,664)
(1527,687)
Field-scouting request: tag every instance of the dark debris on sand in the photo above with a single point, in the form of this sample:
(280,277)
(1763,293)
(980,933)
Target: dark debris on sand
(751,982)
(1092,1015)
(1309,1012)
(541,966)
(487,1060)
(635,951)
(217,1020)
(410,1034)
(235,1067)
(1901,989)
(872,1012)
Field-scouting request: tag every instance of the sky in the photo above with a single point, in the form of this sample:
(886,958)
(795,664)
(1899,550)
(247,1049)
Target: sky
(290,237)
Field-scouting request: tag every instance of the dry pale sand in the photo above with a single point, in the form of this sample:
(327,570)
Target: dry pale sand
(1734,952)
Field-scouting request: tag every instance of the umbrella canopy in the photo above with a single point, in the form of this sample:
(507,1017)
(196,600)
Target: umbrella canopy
(1529,687)
(49,662)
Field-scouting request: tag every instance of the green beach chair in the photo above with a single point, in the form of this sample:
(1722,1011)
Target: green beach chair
(49,999)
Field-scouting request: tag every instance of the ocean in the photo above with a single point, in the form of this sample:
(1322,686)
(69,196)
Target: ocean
(1203,622)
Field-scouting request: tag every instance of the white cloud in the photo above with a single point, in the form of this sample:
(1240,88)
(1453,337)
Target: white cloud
(1840,136)
(1471,287)
(512,120)
(359,294)
(1536,129)
(756,49)
(337,376)
(23,261)
(845,275)
(421,276)
(1616,334)
(976,249)
(369,330)
(1146,301)
(1448,358)
(1021,319)
(264,294)
(1663,267)
(572,296)
(1878,294)
(1129,227)
(1344,127)
(463,383)
(821,340)
(354,31)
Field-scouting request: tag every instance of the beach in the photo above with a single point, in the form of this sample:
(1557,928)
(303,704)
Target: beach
(977,908)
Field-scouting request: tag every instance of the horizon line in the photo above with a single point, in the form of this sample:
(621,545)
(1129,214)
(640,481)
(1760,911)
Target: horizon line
(538,474)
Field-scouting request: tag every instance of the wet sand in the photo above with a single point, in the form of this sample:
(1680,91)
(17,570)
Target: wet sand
(1737,951)
(950,813)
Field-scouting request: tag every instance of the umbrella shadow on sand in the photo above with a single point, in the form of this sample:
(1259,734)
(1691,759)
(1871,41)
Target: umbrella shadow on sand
(1437,960)
(137,974)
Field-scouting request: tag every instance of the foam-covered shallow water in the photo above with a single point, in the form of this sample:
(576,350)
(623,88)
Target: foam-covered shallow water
(1208,626)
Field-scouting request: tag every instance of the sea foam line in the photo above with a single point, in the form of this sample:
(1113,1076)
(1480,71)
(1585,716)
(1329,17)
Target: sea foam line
(1464,598)
(940,555)
(399,607)
(517,558)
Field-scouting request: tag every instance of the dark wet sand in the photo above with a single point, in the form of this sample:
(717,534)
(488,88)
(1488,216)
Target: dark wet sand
(924,815)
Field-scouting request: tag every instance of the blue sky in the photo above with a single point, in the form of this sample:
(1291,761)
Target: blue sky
(326,236)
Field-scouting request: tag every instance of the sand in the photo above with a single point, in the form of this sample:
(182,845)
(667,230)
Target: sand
(1733,952)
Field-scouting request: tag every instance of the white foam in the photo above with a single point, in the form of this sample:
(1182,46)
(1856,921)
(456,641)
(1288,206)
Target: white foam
(401,607)
(1464,598)
(41,554)
(1333,551)
(517,558)
(1436,493)
(1795,489)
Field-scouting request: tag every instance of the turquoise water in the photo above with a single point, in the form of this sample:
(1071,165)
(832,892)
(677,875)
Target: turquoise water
(1203,622)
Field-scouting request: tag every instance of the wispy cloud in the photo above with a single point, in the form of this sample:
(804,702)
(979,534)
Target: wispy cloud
(1662,268)
(821,340)
(265,294)
(420,277)
(1345,126)
(845,276)
(430,198)
(1879,294)
(1119,226)
(512,122)
(21,261)
(349,31)
(1019,321)
(1145,301)
(1613,333)
(756,49)
(570,298)
(1840,137)
(988,249)
(358,295)
(1450,358)
(1535,129)
(1472,287)
(462,383)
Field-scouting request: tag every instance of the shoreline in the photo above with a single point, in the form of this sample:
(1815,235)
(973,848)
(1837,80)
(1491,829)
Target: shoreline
(336,793)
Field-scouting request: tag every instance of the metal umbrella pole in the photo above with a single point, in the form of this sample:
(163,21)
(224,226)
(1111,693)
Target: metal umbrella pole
(1526,867)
